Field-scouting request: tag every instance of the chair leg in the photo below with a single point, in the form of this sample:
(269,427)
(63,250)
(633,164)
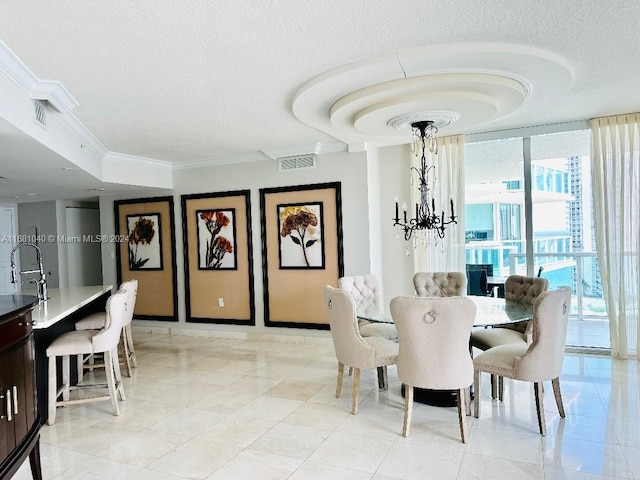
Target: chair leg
(555,383)
(494,386)
(117,374)
(340,378)
(111,382)
(537,388)
(408,409)
(476,393)
(52,391)
(467,400)
(383,379)
(501,388)
(462,417)
(356,391)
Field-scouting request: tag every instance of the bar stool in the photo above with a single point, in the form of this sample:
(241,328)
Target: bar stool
(82,342)
(95,321)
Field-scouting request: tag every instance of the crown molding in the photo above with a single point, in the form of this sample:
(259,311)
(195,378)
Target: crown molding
(55,93)
(140,161)
(52,91)
(216,162)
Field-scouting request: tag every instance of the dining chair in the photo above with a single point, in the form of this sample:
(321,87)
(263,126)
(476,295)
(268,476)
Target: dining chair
(367,293)
(523,290)
(539,361)
(84,342)
(433,336)
(352,349)
(440,284)
(96,321)
(477,283)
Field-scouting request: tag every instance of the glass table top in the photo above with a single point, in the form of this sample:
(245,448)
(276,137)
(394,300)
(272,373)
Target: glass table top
(489,311)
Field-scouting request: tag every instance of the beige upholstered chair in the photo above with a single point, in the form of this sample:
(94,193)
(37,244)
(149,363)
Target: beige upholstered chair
(352,349)
(517,288)
(434,349)
(95,321)
(537,362)
(367,293)
(89,342)
(440,284)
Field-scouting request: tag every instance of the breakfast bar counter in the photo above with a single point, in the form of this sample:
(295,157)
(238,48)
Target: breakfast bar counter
(57,315)
(63,303)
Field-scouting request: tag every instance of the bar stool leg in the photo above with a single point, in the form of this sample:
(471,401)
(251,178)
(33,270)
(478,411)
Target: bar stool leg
(80,367)
(66,377)
(132,351)
(125,349)
(111,382)
(52,390)
(117,374)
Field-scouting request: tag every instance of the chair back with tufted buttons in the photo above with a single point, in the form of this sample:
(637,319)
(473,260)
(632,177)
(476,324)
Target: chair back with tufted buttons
(440,284)
(523,289)
(366,291)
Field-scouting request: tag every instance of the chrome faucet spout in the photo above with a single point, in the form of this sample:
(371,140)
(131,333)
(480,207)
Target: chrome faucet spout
(41,282)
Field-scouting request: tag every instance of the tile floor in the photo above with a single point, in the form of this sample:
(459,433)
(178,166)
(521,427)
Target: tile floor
(217,408)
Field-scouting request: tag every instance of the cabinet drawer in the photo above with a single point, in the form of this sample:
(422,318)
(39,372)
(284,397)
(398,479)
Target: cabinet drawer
(14,329)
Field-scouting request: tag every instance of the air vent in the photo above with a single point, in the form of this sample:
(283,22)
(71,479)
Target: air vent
(40,113)
(297,162)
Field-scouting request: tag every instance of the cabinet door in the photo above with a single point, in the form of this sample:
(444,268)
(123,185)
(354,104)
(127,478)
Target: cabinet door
(22,389)
(7,434)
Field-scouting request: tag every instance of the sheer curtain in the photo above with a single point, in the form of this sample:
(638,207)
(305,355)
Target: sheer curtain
(448,255)
(616,202)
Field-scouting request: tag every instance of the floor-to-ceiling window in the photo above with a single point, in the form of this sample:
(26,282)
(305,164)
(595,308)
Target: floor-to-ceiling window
(528,211)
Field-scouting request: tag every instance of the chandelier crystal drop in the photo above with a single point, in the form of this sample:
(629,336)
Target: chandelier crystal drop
(427,224)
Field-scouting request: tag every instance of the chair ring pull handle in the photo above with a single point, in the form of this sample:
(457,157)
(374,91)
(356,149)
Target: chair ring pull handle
(329,304)
(429,317)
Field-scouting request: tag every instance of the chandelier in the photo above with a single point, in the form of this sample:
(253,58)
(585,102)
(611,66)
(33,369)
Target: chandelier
(426,219)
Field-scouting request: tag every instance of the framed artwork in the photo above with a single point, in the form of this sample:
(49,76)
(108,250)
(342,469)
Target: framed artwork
(148,255)
(301,252)
(300,243)
(218,258)
(145,241)
(216,239)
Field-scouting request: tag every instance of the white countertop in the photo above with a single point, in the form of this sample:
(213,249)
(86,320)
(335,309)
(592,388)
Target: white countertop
(64,301)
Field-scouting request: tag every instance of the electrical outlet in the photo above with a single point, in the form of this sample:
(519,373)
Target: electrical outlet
(221,302)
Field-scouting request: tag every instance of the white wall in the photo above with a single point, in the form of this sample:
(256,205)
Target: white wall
(41,216)
(8,231)
(65,264)
(83,259)
(348,168)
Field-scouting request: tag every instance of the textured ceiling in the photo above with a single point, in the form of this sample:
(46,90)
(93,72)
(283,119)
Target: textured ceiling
(206,80)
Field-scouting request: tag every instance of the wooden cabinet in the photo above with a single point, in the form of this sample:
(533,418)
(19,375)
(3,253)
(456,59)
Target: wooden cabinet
(19,420)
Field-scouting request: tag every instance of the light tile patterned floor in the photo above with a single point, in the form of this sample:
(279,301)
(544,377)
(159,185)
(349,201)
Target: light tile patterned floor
(215,408)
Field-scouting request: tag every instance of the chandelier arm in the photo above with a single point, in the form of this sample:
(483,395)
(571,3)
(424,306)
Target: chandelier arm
(425,218)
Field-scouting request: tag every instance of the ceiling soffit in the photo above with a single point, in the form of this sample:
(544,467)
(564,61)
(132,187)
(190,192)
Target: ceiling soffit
(460,87)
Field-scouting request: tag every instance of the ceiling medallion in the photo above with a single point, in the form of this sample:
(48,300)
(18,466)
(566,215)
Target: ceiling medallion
(438,118)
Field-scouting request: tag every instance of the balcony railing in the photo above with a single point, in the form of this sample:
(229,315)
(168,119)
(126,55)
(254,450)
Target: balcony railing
(579,270)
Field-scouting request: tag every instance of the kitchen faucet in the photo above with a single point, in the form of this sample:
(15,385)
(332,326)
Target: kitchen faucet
(41,283)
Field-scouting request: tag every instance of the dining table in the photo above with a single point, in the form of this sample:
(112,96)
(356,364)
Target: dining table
(490,312)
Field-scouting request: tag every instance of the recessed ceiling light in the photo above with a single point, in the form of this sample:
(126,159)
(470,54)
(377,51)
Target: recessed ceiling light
(32,194)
